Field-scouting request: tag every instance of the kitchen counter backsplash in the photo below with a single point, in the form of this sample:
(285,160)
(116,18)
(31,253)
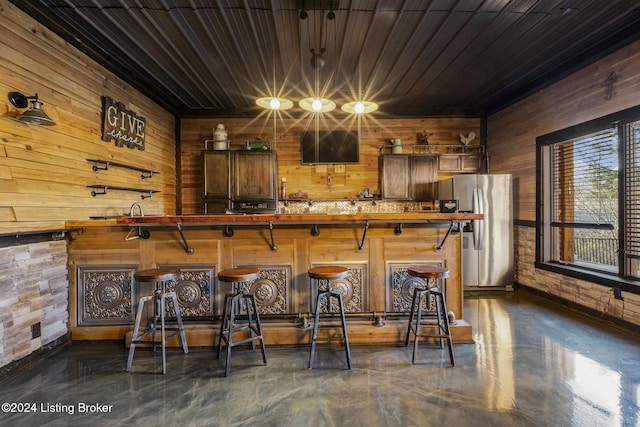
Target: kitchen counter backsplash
(349,206)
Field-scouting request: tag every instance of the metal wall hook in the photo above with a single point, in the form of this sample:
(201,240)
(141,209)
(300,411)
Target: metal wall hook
(131,235)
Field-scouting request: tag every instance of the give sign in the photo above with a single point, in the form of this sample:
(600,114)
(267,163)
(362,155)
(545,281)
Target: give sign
(122,125)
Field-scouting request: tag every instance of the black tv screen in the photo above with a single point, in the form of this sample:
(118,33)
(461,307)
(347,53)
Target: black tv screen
(335,146)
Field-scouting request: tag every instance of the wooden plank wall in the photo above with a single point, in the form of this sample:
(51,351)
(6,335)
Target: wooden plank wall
(511,147)
(43,170)
(285,135)
(512,132)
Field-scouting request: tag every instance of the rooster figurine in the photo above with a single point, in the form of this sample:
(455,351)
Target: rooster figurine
(465,140)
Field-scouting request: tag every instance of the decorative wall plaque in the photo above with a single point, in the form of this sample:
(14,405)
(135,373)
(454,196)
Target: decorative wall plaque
(401,286)
(105,295)
(123,126)
(271,289)
(194,289)
(351,288)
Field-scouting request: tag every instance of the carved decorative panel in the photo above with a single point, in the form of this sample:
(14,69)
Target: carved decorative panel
(194,289)
(105,294)
(351,287)
(401,286)
(271,289)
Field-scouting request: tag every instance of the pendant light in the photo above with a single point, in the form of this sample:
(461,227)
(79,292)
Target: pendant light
(359,107)
(317,105)
(274,103)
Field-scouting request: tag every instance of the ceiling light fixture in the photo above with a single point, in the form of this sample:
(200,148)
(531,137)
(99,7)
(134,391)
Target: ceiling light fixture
(34,115)
(274,103)
(359,107)
(317,105)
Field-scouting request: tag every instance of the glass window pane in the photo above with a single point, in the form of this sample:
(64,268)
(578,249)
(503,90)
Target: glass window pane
(584,210)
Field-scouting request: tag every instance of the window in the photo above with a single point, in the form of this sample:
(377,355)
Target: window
(588,217)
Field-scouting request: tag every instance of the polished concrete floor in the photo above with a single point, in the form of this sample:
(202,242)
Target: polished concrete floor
(533,363)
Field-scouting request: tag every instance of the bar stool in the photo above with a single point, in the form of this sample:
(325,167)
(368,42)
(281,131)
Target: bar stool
(328,274)
(232,306)
(442,330)
(160,276)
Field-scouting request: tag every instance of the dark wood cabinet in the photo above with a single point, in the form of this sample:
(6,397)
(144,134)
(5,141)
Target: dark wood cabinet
(216,174)
(233,178)
(408,176)
(395,176)
(255,173)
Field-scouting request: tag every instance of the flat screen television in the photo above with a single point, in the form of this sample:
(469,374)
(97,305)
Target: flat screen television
(334,146)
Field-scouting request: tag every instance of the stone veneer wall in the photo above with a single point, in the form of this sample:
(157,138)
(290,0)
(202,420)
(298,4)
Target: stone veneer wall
(34,290)
(593,297)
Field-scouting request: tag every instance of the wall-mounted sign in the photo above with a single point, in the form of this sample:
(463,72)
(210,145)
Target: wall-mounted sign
(123,126)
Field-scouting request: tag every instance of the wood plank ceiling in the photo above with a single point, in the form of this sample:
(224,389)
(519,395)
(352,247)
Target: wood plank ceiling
(413,57)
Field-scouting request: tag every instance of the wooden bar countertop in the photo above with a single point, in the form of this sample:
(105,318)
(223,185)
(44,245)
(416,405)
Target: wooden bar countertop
(405,217)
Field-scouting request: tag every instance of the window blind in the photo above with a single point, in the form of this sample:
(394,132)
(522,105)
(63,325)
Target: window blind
(632,189)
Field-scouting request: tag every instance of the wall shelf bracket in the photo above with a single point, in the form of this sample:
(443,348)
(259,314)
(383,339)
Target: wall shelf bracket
(228,231)
(453,228)
(273,243)
(187,249)
(364,234)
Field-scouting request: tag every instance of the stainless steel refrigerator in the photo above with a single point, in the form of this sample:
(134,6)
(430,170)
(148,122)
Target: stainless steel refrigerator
(487,245)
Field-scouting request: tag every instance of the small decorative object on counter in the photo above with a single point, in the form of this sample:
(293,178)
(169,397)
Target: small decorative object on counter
(397,146)
(220,138)
(448,206)
(257,144)
(283,189)
(423,138)
(299,195)
(365,194)
(465,140)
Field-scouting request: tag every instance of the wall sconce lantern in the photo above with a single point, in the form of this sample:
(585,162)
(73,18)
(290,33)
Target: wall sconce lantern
(34,115)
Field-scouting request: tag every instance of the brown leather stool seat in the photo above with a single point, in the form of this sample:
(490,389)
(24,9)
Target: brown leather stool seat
(327,274)
(233,307)
(160,276)
(440,329)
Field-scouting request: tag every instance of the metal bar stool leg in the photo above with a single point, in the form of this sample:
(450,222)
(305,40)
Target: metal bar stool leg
(447,328)
(344,328)
(164,335)
(246,298)
(223,325)
(176,308)
(438,299)
(259,329)
(314,335)
(411,314)
(232,318)
(136,331)
(418,294)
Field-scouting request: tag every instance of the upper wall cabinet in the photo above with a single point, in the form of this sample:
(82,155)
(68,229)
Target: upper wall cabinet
(242,177)
(256,175)
(461,163)
(408,176)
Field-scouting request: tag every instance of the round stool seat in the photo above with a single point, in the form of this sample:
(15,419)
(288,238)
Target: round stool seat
(428,272)
(239,274)
(154,274)
(328,272)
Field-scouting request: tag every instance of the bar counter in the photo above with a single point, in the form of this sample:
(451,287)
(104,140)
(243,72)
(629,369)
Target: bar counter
(377,248)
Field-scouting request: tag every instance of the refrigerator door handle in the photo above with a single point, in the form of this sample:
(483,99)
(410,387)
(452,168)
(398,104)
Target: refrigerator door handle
(478,207)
